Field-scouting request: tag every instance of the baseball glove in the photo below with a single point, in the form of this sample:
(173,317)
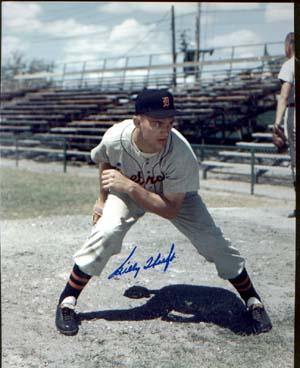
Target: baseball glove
(279,139)
(97,211)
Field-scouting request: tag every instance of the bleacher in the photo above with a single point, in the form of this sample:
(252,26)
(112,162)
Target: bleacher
(11,95)
(218,112)
(46,117)
(256,160)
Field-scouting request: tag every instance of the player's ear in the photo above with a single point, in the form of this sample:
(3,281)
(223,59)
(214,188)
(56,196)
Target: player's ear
(137,120)
(289,50)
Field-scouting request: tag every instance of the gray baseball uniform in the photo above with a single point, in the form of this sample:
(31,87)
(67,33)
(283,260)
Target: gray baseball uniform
(175,169)
(287,74)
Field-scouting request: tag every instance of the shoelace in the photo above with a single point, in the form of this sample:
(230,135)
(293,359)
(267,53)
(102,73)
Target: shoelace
(257,312)
(68,314)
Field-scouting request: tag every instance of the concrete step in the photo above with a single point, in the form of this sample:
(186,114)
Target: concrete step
(268,147)
(234,154)
(117,111)
(46,151)
(75,130)
(25,122)
(16,116)
(45,106)
(270,127)
(14,128)
(108,117)
(68,101)
(91,123)
(73,137)
(267,136)
(32,110)
(245,169)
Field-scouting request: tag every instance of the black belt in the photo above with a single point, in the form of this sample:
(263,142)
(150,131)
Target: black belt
(291,105)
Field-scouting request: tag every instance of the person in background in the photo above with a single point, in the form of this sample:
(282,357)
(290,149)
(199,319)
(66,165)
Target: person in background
(286,103)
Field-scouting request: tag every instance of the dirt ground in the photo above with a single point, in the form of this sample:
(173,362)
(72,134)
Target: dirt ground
(193,319)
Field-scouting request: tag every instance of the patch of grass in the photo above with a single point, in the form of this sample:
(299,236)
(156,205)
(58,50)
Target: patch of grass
(26,194)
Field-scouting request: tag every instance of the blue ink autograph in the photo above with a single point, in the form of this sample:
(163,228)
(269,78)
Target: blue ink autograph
(129,266)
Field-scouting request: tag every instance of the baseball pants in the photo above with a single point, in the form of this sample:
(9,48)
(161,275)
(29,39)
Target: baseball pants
(120,212)
(290,132)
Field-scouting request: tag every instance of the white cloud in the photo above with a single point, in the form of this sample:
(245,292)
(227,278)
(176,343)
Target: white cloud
(84,48)
(130,37)
(137,38)
(128,30)
(20,15)
(116,7)
(280,12)
(161,7)
(147,7)
(240,37)
(164,59)
(70,27)
(23,17)
(10,44)
(231,6)
(246,54)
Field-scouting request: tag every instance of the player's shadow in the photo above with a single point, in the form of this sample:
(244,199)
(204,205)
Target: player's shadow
(185,304)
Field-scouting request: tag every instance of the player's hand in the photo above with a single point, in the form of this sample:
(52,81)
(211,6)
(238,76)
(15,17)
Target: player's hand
(97,210)
(276,128)
(113,179)
(278,138)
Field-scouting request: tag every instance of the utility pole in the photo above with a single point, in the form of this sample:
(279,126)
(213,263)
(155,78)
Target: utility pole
(197,39)
(173,44)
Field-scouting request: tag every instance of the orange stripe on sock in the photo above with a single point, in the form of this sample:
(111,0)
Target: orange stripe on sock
(244,288)
(82,279)
(75,286)
(242,283)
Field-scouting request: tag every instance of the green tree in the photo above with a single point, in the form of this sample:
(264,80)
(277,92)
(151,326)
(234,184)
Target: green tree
(16,64)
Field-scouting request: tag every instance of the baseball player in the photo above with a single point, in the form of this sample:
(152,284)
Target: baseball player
(147,165)
(286,102)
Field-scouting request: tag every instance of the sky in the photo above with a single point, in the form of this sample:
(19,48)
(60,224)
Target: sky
(72,31)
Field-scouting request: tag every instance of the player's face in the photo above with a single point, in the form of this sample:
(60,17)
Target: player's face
(154,132)
(288,50)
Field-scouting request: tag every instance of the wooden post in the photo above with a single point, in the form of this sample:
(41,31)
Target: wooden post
(231,61)
(124,73)
(201,66)
(202,152)
(103,69)
(17,152)
(63,74)
(173,45)
(65,155)
(265,54)
(197,40)
(253,179)
(148,73)
(82,73)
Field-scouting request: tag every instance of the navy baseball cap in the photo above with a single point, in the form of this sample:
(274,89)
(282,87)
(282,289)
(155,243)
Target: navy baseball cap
(156,103)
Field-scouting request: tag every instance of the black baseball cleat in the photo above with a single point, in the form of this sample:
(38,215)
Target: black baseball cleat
(259,319)
(66,321)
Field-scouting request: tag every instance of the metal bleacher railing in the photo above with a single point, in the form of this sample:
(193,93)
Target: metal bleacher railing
(216,158)
(251,169)
(16,144)
(158,69)
(132,73)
